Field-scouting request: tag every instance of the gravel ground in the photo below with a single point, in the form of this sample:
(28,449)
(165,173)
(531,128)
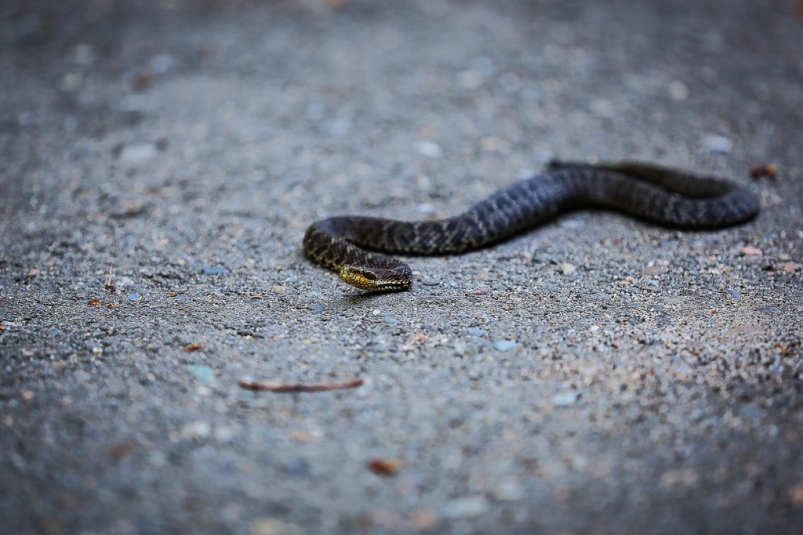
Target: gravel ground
(597,375)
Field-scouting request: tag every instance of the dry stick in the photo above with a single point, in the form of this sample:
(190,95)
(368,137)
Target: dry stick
(109,285)
(282,388)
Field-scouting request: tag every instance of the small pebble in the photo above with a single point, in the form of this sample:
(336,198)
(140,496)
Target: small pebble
(678,90)
(751,411)
(317,308)
(133,297)
(138,152)
(161,64)
(199,429)
(214,270)
(297,468)
(204,374)
(470,79)
(509,491)
(466,507)
(71,82)
(750,251)
(565,398)
(475,331)
(157,459)
(733,293)
(678,478)
(427,148)
(566,268)
(315,112)
(717,144)
(504,345)
(274,526)
(483,65)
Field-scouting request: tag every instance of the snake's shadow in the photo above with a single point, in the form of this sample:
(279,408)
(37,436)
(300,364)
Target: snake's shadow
(349,301)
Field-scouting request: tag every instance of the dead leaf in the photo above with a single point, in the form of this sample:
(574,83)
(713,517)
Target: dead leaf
(384,467)
(192,347)
(796,495)
(142,81)
(337,4)
(790,267)
(768,170)
(750,251)
(33,272)
(303,436)
(424,520)
(95,302)
(123,450)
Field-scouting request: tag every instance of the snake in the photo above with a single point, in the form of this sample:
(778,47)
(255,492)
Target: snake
(352,245)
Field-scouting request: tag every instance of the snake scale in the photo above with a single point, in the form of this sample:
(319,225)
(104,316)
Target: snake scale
(666,196)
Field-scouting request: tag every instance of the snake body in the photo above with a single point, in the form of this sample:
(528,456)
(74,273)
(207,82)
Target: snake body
(665,196)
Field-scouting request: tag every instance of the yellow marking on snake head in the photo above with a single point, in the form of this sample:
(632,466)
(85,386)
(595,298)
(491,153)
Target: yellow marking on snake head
(366,279)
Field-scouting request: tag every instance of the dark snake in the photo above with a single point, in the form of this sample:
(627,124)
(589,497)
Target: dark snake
(665,196)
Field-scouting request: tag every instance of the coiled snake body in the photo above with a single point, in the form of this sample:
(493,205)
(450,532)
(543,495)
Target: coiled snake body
(662,195)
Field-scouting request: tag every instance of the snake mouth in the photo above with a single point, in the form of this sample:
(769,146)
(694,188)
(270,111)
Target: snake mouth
(375,280)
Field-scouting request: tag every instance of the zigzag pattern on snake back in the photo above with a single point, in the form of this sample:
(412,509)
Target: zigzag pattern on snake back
(665,196)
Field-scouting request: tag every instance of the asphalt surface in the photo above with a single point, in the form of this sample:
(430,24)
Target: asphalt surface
(596,375)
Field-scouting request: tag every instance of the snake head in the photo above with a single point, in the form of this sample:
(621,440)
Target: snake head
(374,279)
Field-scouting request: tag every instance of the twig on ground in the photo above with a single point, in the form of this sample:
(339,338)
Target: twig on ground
(109,284)
(282,388)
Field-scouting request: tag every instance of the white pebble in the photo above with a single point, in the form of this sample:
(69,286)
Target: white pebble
(198,429)
(470,79)
(509,491)
(504,345)
(678,90)
(466,507)
(717,144)
(157,458)
(71,81)
(428,148)
(138,152)
(565,398)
